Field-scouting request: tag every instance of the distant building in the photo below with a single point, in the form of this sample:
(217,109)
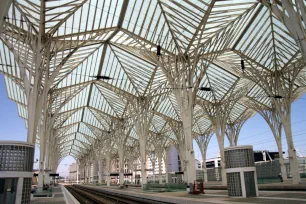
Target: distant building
(174,163)
(259,156)
(151,172)
(198,165)
(72,172)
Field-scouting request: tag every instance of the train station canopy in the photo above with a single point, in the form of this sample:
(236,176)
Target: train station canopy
(97,57)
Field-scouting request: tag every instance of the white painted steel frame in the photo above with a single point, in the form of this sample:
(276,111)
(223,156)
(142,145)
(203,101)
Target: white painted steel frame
(50,52)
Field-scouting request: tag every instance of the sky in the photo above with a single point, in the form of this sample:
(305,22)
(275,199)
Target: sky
(255,131)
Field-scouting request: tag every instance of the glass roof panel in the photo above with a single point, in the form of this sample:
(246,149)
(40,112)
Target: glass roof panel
(100,56)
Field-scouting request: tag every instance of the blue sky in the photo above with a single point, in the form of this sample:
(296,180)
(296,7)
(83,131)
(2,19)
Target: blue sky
(255,131)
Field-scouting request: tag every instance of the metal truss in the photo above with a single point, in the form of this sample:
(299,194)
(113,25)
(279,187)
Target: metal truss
(129,70)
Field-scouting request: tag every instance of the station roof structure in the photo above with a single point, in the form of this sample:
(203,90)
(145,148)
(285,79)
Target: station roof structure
(99,52)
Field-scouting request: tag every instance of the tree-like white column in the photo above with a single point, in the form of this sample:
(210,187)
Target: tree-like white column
(159,141)
(108,148)
(132,155)
(100,172)
(279,86)
(233,128)
(273,119)
(218,112)
(153,158)
(122,129)
(185,71)
(203,141)
(292,15)
(143,118)
(179,143)
(166,160)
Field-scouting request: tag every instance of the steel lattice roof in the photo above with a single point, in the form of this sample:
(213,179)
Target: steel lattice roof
(113,38)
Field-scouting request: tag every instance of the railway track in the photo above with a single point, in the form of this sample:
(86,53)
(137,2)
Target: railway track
(99,196)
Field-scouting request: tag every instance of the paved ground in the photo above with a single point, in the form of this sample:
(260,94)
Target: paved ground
(219,196)
(58,197)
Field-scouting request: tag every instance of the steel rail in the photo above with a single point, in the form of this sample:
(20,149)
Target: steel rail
(100,196)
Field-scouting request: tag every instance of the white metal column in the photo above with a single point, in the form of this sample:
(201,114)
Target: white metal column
(5,5)
(19,190)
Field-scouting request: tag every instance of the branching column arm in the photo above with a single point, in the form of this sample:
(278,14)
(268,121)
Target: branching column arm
(292,16)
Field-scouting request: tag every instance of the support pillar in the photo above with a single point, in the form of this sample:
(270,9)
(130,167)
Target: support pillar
(296,178)
(77,172)
(121,164)
(189,152)
(40,175)
(94,171)
(100,171)
(166,159)
(5,6)
(108,169)
(160,170)
(87,173)
(143,158)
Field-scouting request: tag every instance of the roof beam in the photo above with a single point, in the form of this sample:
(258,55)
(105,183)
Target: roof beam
(202,23)
(121,19)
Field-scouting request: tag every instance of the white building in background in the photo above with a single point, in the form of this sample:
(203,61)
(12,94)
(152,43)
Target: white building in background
(198,164)
(72,172)
(174,163)
(156,171)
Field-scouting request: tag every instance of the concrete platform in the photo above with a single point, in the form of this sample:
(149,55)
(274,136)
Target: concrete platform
(60,196)
(212,196)
(267,187)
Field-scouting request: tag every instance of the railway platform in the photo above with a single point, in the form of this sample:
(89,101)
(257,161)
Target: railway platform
(210,196)
(60,196)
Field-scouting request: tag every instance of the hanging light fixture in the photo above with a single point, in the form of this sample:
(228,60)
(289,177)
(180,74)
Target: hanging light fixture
(158,52)
(276,96)
(205,89)
(98,77)
(242,65)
